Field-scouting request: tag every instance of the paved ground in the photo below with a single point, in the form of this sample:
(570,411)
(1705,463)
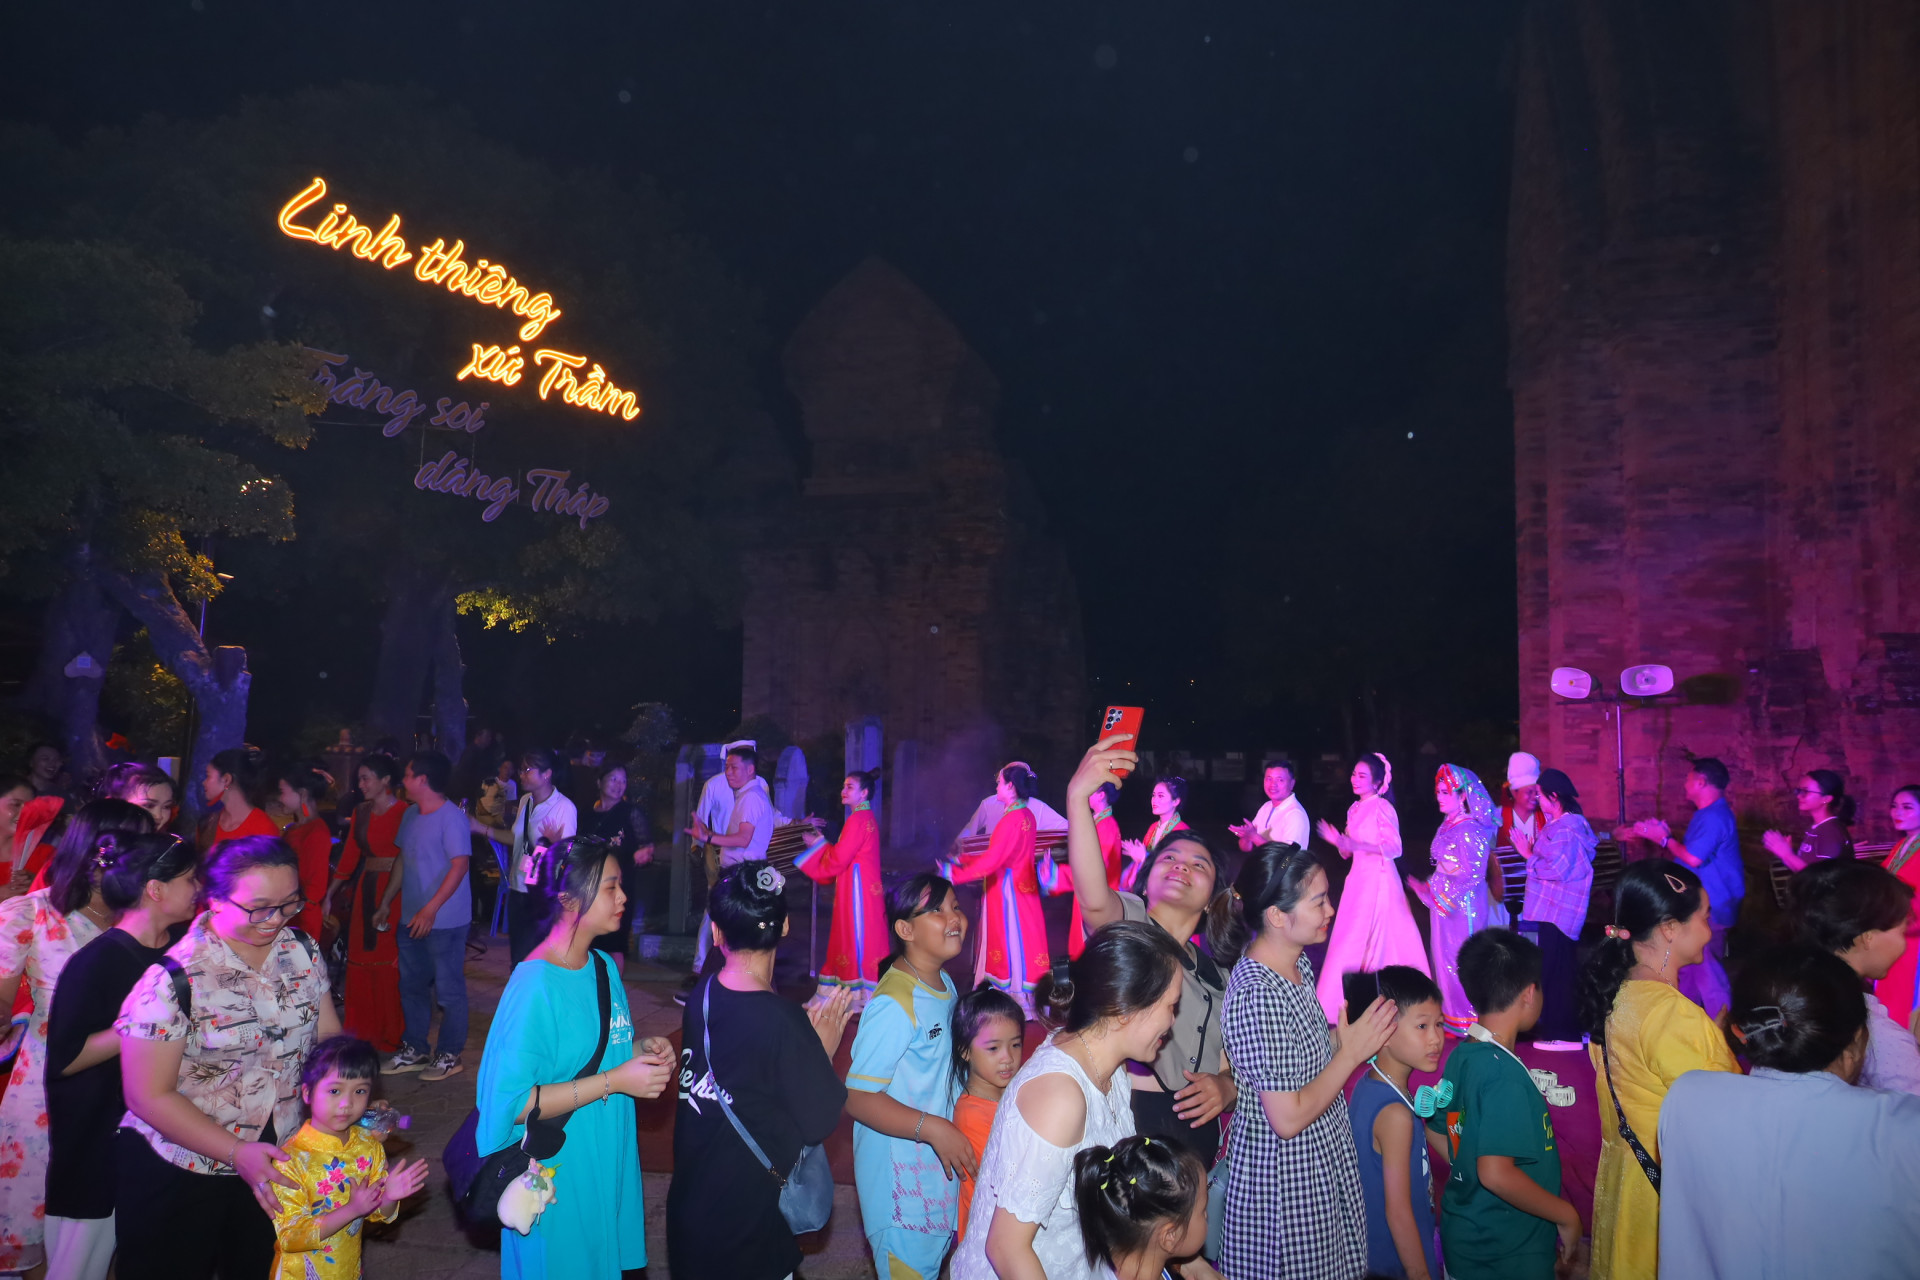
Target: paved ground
(428,1245)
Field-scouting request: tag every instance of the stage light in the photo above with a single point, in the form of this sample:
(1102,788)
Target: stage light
(1572,682)
(1646,681)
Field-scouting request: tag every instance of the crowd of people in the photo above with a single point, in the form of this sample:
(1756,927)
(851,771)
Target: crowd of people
(1241,1069)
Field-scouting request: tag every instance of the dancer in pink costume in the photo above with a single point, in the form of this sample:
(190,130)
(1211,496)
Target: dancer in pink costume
(1374,926)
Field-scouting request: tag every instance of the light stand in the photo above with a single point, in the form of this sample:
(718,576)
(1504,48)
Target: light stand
(1639,683)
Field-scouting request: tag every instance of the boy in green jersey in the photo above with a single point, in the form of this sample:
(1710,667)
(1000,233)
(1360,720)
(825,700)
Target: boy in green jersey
(1502,1208)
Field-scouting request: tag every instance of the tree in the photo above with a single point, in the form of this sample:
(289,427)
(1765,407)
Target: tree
(638,292)
(112,419)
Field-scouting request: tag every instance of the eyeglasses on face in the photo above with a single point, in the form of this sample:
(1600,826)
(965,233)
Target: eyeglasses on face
(279,911)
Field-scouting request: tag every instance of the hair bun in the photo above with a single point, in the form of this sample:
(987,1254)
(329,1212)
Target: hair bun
(1054,996)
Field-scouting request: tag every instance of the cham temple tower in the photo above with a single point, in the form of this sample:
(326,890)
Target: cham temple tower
(910,584)
(1714,309)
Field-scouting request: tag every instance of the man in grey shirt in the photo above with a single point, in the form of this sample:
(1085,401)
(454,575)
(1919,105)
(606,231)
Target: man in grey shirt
(438,905)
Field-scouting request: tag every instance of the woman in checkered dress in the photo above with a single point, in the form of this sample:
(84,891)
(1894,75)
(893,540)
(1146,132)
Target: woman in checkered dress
(1294,1205)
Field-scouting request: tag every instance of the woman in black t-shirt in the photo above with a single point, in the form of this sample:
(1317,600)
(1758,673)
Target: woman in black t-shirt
(148,880)
(623,825)
(1821,795)
(774,1061)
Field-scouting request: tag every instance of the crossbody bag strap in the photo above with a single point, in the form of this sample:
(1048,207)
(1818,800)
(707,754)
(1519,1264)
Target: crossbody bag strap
(599,1052)
(605,990)
(719,1094)
(1648,1164)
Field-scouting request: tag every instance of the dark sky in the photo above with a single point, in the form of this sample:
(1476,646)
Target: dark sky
(1223,257)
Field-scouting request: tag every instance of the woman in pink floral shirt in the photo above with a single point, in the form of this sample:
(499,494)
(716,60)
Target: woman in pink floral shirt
(39,933)
(213,1080)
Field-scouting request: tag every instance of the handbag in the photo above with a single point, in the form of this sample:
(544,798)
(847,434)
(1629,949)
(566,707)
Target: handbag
(1648,1164)
(478,1181)
(806,1193)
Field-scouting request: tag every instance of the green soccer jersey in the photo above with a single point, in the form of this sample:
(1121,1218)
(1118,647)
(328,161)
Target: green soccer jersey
(1496,1111)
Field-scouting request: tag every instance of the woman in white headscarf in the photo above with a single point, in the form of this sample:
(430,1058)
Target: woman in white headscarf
(1456,893)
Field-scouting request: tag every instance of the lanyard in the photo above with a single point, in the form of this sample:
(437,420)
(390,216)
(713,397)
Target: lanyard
(1391,1085)
(1478,1032)
(1556,1094)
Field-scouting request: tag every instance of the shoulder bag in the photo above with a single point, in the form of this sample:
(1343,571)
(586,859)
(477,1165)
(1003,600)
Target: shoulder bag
(1648,1164)
(478,1181)
(806,1194)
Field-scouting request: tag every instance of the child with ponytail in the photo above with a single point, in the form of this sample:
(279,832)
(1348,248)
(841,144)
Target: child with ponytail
(1143,1203)
(1645,1035)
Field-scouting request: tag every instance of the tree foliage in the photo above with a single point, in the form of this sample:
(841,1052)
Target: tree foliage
(169,228)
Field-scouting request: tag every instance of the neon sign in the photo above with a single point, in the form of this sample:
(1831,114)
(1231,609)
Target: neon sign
(364,391)
(454,474)
(488,283)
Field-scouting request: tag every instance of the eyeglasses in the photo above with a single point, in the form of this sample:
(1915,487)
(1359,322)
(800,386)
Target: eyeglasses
(279,911)
(1809,791)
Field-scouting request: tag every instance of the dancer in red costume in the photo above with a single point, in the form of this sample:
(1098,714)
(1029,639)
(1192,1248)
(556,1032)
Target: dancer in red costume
(860,937)
(1013,949)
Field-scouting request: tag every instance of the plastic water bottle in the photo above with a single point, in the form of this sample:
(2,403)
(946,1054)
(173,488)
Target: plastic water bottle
(380,1122)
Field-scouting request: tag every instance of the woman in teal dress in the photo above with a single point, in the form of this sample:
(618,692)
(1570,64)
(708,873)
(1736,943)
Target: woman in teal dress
(543,1034)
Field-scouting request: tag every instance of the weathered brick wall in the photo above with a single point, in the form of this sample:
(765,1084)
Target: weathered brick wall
(1714,299)
(911,579)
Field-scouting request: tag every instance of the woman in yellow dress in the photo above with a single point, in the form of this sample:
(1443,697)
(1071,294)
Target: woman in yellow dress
(1645,1035)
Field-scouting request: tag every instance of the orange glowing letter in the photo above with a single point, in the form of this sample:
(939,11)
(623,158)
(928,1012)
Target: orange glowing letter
(562,364)
(293,208)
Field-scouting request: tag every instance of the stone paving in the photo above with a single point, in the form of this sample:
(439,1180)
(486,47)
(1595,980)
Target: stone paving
(427,1243)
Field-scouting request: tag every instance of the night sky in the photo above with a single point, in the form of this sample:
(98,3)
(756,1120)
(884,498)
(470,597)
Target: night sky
(1239,269)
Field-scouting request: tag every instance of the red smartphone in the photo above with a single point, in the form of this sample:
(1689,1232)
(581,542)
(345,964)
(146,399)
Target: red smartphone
(1123,720)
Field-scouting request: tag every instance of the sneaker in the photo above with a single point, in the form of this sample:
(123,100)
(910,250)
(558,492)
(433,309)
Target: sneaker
(408,1059)
(447,1064)
(686,989)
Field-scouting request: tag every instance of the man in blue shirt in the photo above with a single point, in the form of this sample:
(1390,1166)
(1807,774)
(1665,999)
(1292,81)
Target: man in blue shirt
(1711,848)
(438,905)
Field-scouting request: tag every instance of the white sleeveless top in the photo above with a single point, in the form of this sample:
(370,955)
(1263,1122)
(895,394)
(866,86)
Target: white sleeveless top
(1032,1179)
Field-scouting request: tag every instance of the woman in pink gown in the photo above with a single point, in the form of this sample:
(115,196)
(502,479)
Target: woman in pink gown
(1374,926)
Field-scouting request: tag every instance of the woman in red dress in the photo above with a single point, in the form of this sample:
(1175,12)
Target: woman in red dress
(860,938)
(369,860)
(1896,990)
(302,787)
(1013,950)
(1169,794)
(1056,878)
(234,787)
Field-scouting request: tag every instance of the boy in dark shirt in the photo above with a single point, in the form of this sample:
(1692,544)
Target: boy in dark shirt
(1502,1207)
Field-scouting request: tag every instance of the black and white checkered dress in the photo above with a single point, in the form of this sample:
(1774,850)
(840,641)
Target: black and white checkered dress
(1294,1206)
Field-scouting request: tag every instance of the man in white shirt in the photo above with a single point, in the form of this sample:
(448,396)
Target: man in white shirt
(716,797)
(749,829)
(987,814)
(1282,819)
(543,818)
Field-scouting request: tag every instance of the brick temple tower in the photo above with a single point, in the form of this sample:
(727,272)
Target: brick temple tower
(1714,302)
(911,579)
